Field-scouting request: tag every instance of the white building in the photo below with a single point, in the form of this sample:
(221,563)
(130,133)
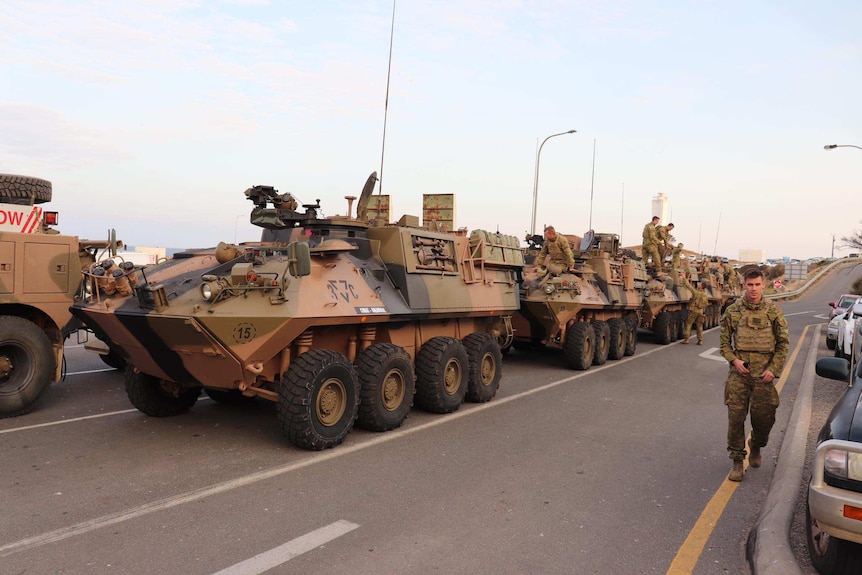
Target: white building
(749,255)
(659,208)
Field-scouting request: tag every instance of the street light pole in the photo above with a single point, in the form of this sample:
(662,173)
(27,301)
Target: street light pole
(536,181)
(833,146)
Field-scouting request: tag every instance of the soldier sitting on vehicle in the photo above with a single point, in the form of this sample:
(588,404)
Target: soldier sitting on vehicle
(557,247)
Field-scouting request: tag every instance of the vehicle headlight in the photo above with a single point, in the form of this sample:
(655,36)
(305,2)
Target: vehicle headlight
(210,290)
(549,289)
(843,464)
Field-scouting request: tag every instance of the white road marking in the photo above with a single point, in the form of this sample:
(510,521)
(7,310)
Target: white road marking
(284,553)
(710,354)
(62,421)
(92,371)
(818,316)
(342,451)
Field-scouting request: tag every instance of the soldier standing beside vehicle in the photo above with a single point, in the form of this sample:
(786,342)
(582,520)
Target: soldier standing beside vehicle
(755,340)
(651,242)
(696,307)
(557,246)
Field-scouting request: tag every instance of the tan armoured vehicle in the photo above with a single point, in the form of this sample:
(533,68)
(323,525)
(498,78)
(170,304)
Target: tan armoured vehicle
(40,273)
(334,319)
(589,311)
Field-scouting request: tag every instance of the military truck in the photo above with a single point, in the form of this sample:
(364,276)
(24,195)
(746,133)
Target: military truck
(335,319)
(590,311)
(40,274)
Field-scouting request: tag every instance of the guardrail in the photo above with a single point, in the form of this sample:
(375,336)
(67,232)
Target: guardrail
(798,291)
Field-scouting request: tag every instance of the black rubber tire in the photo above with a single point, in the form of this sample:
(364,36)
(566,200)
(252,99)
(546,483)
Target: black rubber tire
(442,370)
(631,335)
(579,347)
(318,399)
(228,396)
(14,188)
(387,386)
(681,316)
(603,342)
(113,359)
(617,338)
(661,328)
(830,344)
(830,555)
(156,398)
(486,367)
(27,354)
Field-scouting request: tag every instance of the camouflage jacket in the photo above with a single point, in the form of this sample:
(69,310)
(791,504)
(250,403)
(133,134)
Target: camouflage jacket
(755,328)
(650,234)
(662,235)
(699,300)
(559,250)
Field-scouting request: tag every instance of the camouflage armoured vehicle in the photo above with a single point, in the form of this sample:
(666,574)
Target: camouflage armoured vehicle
(40,273)
(590,311)
(665,306)
(334,319)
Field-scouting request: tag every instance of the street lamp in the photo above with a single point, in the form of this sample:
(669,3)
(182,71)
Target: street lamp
(833,146)
(536,181)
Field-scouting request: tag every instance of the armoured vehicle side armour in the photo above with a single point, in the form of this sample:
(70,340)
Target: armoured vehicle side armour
(332,318)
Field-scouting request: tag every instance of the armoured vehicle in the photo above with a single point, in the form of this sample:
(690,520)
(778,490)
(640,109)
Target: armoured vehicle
(589,311)
(40,273)
(665,306)
(334,319)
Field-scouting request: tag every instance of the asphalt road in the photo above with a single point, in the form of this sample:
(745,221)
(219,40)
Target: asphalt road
(605,471)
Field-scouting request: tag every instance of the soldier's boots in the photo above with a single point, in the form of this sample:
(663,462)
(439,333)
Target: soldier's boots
(700,342)
(754,458)
(735,472)
(685,340)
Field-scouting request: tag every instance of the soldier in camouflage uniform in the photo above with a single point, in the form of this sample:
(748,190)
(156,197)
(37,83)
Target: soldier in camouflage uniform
(558,248)
(664,245)
(696,307)
(651,242)
(675,256)
(755,340)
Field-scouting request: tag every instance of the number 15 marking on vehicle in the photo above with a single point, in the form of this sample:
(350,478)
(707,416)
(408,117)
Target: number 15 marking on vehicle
(342,289)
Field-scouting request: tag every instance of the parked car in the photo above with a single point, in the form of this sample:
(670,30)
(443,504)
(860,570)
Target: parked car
(832,330)
(843,304)
(846,328)
(834,503)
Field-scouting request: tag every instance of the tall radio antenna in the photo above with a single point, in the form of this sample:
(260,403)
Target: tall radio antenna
(386,105)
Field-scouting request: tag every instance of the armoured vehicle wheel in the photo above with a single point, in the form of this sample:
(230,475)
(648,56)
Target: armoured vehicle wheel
(486,361)
(579,347)
(831,555)
(631,335)
(681,316)
(318,399)
(603,342)
(661,327)
(441,375)
(228,396)
(830,344)
(26,365)
(617,341)
(386,384)
(156,397)
(21,189)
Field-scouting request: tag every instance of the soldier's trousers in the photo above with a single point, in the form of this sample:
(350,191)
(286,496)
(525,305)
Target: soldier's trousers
(694,317)
(652,250)
(744,394)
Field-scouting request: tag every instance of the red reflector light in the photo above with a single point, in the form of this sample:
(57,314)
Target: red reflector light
(851,512)
(50,218)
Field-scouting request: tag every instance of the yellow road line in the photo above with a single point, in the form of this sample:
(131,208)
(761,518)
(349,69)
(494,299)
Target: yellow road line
(688,555)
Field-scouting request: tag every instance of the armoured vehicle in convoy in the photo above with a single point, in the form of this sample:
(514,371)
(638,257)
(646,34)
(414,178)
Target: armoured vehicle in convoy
(336,320)
(590,311)
(40,274)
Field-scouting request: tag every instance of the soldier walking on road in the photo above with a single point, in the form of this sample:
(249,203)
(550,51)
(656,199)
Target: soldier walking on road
(558,248)
(651,242)
(696,308)
(755,340)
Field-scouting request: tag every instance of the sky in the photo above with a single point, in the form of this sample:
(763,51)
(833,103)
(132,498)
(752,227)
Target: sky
(152,118)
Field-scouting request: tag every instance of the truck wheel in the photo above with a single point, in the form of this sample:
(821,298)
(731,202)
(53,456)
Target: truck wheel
(318,399)
(157,397)
(631,335)
(486,362)
(441,375)
(26,365)
(228,396)
(14,188)
(579,347)
(830,344)
(617,340)
(603,342)
(661,328)
(387,386)
(681,316)
(830,555)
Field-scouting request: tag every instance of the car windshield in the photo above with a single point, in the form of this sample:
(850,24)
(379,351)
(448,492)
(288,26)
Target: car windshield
(846,302)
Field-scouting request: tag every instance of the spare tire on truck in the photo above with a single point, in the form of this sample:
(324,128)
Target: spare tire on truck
(24,190)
